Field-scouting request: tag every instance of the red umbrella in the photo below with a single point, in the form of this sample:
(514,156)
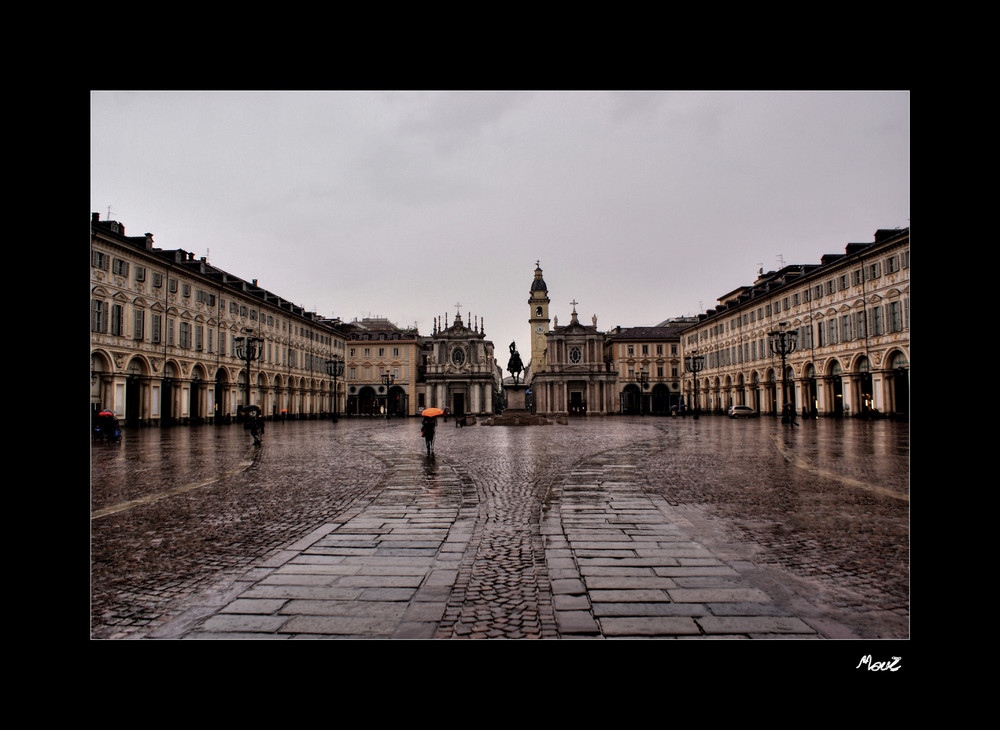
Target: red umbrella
(105,413)
(432,412)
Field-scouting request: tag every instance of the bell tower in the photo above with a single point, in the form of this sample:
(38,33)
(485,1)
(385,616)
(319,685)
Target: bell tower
(538,318)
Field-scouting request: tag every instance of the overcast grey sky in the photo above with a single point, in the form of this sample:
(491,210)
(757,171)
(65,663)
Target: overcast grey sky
(639,206)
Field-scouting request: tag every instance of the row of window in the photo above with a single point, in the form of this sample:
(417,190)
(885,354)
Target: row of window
(121,267)
(644,349)
(374,375)
(191,336)
(896,313)
(381,336)
(843,282)
(858,277)
(660,372)
(880,320)
(367,352)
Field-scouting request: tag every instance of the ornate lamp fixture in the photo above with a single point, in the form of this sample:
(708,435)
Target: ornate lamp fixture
(695,363)
(248,349)
(783,343)
(335,368)
(387,381)
(642,380)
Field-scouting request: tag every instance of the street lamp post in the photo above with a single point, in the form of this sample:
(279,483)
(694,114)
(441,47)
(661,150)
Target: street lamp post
(642,380)
(387,381)
(783,343)
(248,349)
(335,368)
(695,363)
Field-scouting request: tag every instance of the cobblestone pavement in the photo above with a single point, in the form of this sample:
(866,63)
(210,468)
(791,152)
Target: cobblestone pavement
(610,528)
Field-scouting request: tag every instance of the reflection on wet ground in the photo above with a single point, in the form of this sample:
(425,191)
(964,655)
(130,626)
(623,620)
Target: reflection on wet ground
(174,508)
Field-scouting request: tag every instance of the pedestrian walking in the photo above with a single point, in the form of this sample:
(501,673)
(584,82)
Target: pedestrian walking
(255,423)
(427,431)
(428,426)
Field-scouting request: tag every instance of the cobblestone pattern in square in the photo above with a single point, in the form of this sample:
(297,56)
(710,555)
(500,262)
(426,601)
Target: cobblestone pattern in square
(437,555)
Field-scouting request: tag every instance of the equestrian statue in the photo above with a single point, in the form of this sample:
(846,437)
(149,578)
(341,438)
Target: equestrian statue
(514,365)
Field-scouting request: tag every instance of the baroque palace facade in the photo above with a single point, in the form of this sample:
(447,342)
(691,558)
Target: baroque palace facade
(649,367)
(846,327)
(395,371)
(382,368)
(170,334)
(841,346)
(167,331)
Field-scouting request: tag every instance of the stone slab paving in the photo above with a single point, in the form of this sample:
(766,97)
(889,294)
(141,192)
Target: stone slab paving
(623,567)
(620,564)
(384,570)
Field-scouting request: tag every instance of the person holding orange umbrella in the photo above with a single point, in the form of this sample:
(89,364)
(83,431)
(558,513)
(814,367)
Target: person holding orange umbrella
(428,426)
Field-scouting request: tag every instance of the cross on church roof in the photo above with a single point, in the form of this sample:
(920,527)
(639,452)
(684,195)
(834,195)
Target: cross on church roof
(574,303)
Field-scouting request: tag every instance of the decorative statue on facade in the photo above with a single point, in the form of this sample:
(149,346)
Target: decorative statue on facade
(514,365)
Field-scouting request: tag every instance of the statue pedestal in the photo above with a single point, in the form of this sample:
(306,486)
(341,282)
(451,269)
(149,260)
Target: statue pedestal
(516,399)
(517,412)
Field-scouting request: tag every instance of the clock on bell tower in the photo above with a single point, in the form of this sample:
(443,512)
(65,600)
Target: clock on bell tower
(538,303)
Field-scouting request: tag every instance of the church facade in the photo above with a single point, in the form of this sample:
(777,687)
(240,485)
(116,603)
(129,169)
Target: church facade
(461,374)
(569,373)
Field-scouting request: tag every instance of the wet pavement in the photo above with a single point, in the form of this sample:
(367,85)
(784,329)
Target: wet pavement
(616,528)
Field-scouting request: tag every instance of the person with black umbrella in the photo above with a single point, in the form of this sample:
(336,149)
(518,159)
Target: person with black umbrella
(255,423)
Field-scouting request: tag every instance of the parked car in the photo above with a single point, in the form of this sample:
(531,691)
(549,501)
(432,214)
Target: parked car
(741,412)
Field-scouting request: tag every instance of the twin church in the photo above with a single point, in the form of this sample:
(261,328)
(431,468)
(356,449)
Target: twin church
(571,370)
(176,340)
